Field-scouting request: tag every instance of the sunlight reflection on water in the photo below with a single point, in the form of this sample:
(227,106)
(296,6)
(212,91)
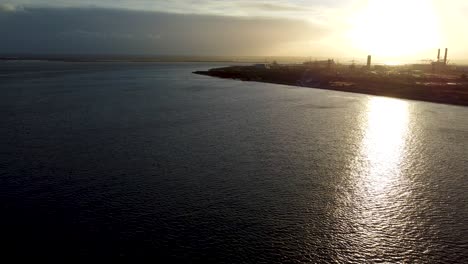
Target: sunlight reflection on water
(383,145)
(379,199)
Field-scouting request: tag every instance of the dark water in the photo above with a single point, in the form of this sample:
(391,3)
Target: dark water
(149,161)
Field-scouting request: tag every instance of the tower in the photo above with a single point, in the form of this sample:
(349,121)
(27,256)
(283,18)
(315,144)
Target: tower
(369,60)
(445,57)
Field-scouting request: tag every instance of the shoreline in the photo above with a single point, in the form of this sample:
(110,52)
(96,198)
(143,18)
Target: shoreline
(443,89)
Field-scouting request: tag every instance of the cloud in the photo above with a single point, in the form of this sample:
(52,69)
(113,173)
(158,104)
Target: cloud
(293,9)
(98,30)
(272,7)
(7,8)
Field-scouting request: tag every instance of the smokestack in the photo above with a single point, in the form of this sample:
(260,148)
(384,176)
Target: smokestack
(438,55)
(445,57)
(369,60)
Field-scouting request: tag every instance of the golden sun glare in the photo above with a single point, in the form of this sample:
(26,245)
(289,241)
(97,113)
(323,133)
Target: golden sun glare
(395,28)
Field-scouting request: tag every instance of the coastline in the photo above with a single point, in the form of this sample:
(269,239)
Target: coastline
(444,89)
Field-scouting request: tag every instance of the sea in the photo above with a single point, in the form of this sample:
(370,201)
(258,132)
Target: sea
(148,162)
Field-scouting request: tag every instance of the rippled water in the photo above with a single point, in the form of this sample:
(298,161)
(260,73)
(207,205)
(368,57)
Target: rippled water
(130,160)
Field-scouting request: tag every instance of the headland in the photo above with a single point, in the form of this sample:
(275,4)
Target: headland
(435,82)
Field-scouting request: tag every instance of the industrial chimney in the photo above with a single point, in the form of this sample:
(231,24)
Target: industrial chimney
(369,60)
(445,57)
(438,55)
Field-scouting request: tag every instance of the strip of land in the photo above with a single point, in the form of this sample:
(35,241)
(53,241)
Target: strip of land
(426,83)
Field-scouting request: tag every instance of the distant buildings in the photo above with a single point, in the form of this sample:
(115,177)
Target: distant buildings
(328,64)
(440,65)
(261,66)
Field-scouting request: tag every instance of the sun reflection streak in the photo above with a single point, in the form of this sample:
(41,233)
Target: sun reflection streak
(375,206)
(384,141)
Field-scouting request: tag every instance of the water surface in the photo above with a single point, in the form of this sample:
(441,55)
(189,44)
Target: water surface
(134,160)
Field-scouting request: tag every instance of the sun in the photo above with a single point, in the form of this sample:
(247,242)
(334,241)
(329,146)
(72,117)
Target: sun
(395,28)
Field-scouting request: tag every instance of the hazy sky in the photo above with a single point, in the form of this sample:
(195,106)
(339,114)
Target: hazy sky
(389,29)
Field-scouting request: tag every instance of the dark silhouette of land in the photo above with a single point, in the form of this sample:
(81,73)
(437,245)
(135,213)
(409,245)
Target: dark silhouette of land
(425,82)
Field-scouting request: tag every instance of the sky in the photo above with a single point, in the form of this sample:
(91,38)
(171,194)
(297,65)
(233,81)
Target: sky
(393,30)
